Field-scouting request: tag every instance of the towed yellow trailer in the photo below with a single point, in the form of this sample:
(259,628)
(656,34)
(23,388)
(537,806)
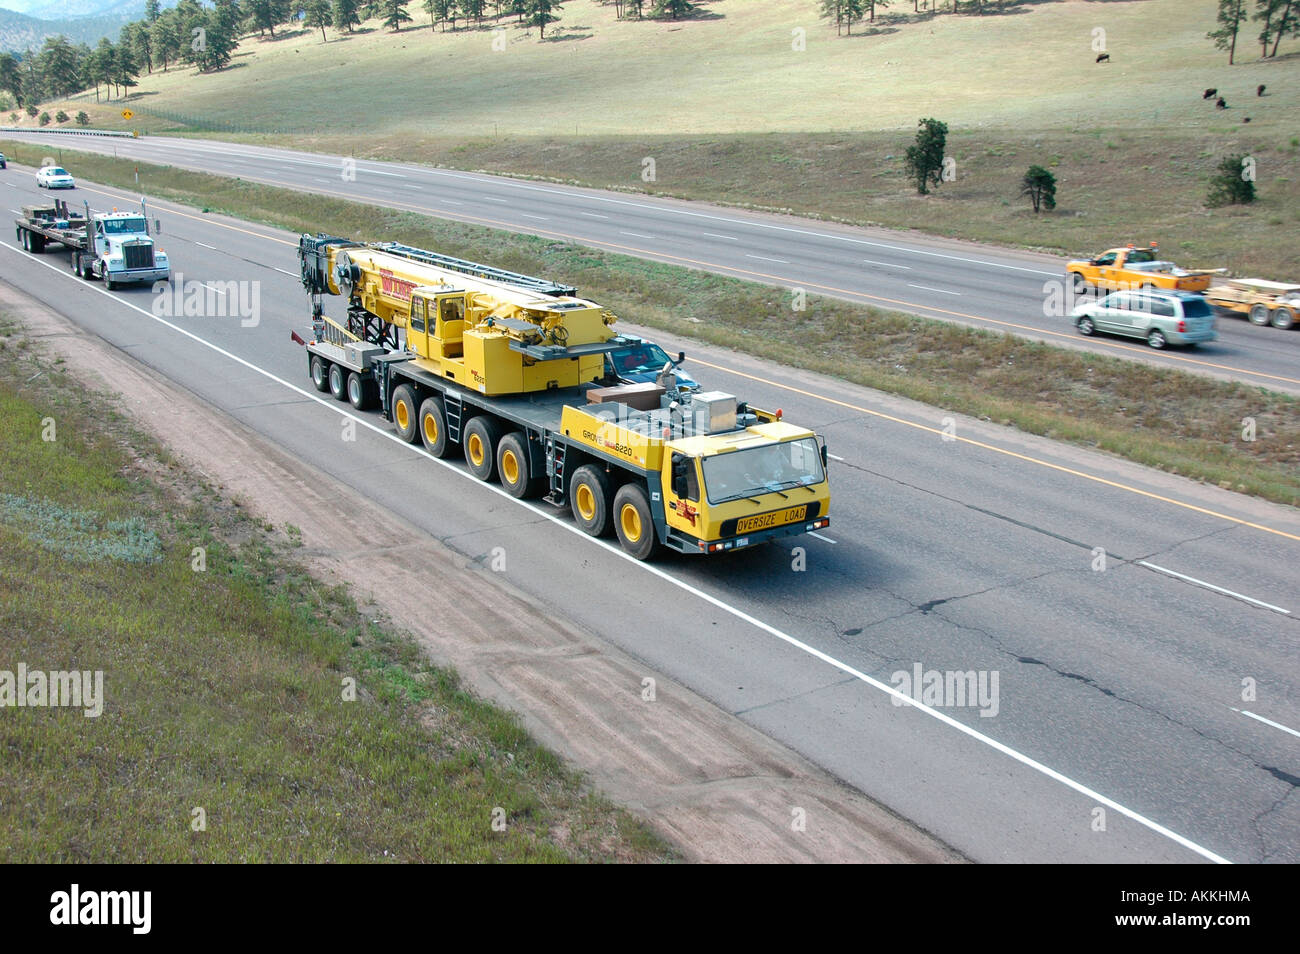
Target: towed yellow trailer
(1262,301)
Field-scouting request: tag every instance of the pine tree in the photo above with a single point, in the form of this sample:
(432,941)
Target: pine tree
(1232,13)
(1040,185)
(541,12)
(317,13)
(394,14)
(673,8)
(925,159)
(346,15)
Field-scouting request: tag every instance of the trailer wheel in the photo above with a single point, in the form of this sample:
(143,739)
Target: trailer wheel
(338,382)
(404,413)
(633,521)
(480,441)
(362,392)
(1259,314)
(1283,318)
(512,465)
(591,499)
(319,373)
(433,427)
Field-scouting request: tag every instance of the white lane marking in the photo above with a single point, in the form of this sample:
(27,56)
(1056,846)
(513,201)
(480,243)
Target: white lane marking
(206,245)
(492,198)
(729,238)
(15,212)
(1260,718)
(671,580)
(637,234)
(941,291)
(594,215)
(283,272)
(542,218)
(219,291)
(764,258)
(450,202)
(609,200)
(1210,586)
(834,456)
(326,181)
(813,533)
(381,172)
(872,261)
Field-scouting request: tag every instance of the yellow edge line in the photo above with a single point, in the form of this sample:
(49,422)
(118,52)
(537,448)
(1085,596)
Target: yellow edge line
(845,404)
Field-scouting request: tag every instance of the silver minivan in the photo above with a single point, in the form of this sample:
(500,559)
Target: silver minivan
(1161,317)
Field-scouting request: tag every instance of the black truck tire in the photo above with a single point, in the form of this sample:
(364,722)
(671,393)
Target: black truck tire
(433,427)
(480,442)
(514,468)
(591,498)
(405,414)
(633,521)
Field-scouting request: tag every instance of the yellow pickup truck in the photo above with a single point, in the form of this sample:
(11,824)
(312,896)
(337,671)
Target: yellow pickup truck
(1131,267)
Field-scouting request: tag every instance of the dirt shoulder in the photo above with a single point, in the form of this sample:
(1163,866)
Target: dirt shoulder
(719,789)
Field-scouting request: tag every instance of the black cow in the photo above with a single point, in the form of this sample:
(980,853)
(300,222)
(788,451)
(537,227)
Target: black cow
(1102,57)
(1210,94)
(1220,104)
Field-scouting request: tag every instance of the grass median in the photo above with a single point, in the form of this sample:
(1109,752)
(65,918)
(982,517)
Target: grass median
(226,733)
(1182,423)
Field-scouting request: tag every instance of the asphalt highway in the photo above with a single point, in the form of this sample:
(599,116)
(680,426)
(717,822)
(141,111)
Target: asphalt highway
(985,287)
(1147,698)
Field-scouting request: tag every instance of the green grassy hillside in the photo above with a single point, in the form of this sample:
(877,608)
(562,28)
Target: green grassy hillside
(731,112)
(734,70)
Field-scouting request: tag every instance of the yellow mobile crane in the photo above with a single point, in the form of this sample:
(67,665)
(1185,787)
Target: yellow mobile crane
(495,331)
(504,367)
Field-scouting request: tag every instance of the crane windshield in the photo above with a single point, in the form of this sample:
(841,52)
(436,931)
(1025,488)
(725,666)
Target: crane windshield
(761,470)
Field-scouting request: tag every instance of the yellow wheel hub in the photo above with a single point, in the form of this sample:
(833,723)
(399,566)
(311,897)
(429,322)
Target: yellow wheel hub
(403,415)
(431,428)
(631,521)
(510,467)
(586,502)
(476,449)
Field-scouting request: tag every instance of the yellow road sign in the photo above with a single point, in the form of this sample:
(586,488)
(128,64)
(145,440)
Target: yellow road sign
(127,114)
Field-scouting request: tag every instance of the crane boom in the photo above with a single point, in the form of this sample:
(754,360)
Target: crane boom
(496,331)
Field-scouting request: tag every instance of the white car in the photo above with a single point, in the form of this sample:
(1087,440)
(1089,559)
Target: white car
(54,177)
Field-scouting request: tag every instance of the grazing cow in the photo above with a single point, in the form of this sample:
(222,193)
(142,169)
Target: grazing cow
(1210,94)
(1246,120)
(1259,90)
(1220,104)
(1102,56)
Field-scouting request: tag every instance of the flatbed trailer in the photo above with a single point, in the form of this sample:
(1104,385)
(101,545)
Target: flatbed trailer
(1262,302)
(583,448)
(113,246)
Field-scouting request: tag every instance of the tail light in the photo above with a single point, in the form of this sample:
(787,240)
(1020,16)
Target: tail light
(1182,325)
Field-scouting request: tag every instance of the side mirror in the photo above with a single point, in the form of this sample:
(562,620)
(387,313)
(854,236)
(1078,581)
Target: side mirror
(825,461)
(681,356)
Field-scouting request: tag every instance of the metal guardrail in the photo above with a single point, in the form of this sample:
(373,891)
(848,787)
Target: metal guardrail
(68,132)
